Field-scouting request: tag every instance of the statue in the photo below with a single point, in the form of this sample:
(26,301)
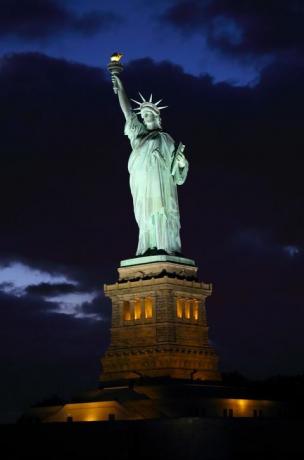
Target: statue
(156,167)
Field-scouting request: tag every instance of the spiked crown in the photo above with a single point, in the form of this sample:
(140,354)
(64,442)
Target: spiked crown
(148,105)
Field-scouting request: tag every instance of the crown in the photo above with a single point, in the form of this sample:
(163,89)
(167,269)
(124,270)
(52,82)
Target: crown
(148,105)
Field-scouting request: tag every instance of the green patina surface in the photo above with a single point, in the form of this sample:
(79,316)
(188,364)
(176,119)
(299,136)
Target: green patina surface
(157,258)
(157,165)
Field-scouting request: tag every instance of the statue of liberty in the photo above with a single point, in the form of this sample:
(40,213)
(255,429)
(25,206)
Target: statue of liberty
(156,167)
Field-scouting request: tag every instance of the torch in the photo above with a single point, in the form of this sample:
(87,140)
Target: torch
(114,66)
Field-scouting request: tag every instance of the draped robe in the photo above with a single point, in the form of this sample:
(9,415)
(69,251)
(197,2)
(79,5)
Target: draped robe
(153,187)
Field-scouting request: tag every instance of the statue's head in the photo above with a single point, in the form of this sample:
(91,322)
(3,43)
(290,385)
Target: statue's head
(149,112)
(151,119)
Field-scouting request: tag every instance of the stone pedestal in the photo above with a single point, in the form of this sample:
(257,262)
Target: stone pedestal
(159,325)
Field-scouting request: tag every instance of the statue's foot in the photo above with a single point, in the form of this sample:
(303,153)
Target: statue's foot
(154,252)
(159,252)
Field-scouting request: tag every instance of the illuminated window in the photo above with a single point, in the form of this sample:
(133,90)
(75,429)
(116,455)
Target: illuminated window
(195,309)
(148,307)
(179,308)
(188,309)
(126,310)
(137,308)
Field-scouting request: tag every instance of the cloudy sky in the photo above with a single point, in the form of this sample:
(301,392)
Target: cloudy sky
(232,73)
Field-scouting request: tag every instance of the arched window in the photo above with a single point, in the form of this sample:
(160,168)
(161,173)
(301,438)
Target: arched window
(126,310)
(195,310)
(188,309)
(137,309)
(179,307)
(148,307)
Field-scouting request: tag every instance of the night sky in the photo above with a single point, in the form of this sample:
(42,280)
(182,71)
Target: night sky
(232,74)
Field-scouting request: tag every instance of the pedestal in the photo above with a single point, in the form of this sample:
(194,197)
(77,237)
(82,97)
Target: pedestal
(159,325)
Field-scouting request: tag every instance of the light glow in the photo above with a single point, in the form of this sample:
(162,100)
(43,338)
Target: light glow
(137,309)
(195,310)
(179,308)
(188,309)
(116,57)
(148,307)
(126,310)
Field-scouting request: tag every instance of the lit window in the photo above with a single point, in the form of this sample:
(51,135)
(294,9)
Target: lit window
(195,309)
(179,308)
(137,308)
(148,307)
(126,310)
(188,309)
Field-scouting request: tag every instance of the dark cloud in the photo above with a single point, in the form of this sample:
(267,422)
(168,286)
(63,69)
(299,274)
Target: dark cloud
(244,28)
(100,306)
(264,276)
(6,285)
(45,353)
(64,181)
(35,19)
(48,289)
(66,207)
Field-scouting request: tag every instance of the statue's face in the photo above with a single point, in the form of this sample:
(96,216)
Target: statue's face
(150,120)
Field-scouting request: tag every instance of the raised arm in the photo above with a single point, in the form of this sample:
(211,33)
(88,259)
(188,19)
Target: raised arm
(122,97)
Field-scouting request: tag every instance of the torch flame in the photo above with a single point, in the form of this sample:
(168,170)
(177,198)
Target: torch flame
(116,57)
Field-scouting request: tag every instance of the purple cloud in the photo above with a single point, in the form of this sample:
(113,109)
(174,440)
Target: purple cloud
(34,19)
(236,27)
